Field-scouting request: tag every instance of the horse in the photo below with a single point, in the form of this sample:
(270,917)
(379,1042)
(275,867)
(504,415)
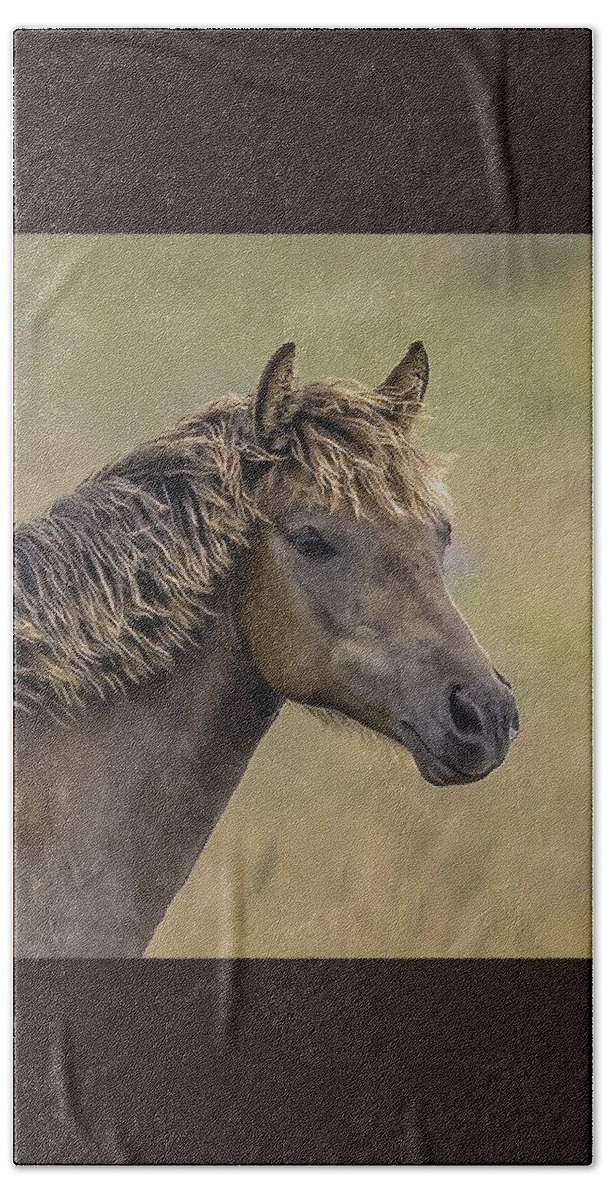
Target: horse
(285,545)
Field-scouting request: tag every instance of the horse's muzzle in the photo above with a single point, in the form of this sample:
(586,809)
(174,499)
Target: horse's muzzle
(468,738)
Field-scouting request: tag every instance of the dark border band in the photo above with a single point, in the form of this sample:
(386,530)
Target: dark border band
(318,1061)
(302,131)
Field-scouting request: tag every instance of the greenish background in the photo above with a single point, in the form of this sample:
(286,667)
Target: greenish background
(333,845)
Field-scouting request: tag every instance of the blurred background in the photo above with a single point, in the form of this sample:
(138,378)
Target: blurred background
(333,845)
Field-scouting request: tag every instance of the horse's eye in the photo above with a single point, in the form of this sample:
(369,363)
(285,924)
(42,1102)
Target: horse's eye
(447,534)
(311,543)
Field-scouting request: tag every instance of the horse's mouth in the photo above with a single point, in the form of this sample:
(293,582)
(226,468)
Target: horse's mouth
(442,774)
(435,770)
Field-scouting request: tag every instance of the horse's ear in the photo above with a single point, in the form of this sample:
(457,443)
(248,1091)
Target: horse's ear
(407,383)
(271,408)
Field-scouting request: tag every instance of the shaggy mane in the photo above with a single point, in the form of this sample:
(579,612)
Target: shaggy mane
(123,574)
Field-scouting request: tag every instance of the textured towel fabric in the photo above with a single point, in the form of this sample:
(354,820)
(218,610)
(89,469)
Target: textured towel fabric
(302,131)
(358,969)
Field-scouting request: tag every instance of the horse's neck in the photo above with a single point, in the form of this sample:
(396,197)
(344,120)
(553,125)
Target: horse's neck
(113,812)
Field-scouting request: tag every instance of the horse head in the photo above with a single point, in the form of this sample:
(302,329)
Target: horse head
(343,603)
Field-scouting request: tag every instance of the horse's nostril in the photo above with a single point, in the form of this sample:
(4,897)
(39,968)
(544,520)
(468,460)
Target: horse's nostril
(514,726)
(465,713)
